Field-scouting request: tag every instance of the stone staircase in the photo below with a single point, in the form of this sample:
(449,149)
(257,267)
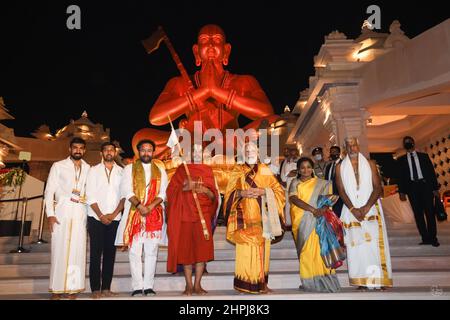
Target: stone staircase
(420,272)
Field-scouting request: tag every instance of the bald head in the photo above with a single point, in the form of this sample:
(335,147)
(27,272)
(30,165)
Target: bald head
(211,30)
(211,46)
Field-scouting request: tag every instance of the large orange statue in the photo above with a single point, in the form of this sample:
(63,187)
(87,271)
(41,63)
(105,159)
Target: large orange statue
(217,98)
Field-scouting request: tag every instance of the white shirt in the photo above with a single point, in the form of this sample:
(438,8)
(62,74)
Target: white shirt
(416,159)
(275,169)
(333,169)
(288,166)
(62,180)
(103,192)
(126,185)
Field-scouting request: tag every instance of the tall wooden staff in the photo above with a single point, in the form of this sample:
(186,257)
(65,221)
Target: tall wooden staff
(151,44)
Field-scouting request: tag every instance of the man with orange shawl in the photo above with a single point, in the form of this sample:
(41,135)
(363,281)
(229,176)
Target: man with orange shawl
(254,203)
(187,243)
(142,228)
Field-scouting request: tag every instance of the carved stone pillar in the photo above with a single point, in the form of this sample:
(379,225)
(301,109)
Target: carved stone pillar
(347,119)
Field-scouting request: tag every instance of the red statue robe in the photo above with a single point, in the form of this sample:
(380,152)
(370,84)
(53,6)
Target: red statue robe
(182,213)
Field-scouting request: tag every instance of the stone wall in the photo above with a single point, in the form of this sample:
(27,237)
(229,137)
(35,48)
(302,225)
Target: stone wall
(438,148)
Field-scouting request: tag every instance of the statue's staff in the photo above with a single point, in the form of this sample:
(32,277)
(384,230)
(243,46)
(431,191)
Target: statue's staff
(194,193)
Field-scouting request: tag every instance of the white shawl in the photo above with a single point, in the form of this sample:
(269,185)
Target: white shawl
(368,257)
(358,196)
(270,218)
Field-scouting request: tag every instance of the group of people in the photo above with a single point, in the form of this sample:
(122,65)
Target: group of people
(134,208)
(137,209)
(356,185)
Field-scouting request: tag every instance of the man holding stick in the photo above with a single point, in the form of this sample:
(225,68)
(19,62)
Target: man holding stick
(187,242)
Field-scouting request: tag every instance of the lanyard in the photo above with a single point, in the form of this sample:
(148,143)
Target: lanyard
(108,175)
(77,178)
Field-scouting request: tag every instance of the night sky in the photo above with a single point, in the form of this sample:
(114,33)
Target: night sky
(49,74)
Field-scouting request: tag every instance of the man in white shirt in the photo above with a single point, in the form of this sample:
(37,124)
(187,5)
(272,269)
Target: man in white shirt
(67,222)
(287,174)
(142,227)
(104,212)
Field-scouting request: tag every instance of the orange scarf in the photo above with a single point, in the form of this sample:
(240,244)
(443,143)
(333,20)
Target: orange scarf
(153,222)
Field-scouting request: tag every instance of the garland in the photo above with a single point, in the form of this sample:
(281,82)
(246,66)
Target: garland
(12,178)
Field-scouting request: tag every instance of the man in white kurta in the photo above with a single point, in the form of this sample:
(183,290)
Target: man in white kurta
(288,172)
(147,239)
(104,213)
(368,257)
(66,212)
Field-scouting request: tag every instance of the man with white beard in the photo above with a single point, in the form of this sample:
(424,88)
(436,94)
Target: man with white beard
(254,202)
(368,257)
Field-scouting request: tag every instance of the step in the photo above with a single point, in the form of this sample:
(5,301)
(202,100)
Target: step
(167,283)
(393,231)
(276,265)
(349,293)
(229,254)
(222,243)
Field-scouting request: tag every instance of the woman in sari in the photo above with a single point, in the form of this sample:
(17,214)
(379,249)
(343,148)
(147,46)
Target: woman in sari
(303,195)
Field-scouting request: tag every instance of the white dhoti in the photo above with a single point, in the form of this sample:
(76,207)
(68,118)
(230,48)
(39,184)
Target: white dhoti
(68,248)
(368,257)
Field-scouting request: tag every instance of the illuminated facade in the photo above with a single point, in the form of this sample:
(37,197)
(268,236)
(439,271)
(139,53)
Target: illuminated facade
(379,88)
(7,139)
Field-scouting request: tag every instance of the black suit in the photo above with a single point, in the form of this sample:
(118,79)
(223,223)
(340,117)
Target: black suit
(420,193)
(337,208)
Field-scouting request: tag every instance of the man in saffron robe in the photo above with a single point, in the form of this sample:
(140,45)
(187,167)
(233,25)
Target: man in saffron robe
(254,203)
(187,243)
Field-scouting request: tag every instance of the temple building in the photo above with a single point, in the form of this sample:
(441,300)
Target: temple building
(46,147)
(380,87)
(7,139)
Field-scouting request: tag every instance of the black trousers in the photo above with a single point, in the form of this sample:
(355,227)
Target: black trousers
(337,208)
(421,199)
(101,239)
